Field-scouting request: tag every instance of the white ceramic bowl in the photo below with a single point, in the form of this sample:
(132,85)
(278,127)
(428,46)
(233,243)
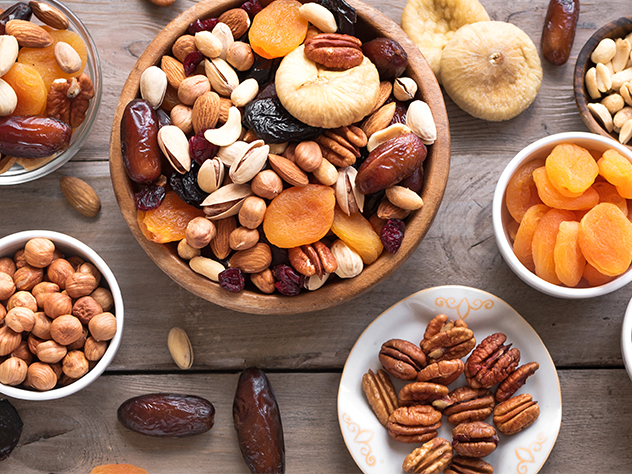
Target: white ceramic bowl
(69,246)
(501,217)
(626,340)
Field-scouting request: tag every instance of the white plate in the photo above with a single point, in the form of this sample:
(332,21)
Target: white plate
(368,441)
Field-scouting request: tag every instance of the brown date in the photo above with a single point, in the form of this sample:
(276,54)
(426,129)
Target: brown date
(139,142)
(167,415)
(33,136)
(389,57)
(390,163)
(559,30)
(258,423)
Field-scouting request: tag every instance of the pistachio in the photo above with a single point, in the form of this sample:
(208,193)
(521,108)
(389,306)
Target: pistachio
(419,119)
(8,53)
(404,198)
(390,132)
(211,175)
(347,196)
(404,88)
(175,146)
(229,153)
(207,267)
(221,75)
(226,201)
(208,44)
(314,282)
(8,99)
(349,262)
(591,83)
(244,168)
(244,92)
(227,133)
(180,348)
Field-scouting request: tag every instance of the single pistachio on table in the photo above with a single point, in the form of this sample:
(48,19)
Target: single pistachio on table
(180,348)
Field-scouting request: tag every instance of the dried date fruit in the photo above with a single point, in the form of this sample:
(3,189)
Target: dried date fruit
(258,423)
(33,136)
(10,428)
(167,415)
(139,142)
(344,14)
(392,235)
(232,279)
(389,57)
(149,198)
(559,30)
(273,124)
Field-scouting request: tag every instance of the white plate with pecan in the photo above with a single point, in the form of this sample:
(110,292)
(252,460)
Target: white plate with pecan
(369,443)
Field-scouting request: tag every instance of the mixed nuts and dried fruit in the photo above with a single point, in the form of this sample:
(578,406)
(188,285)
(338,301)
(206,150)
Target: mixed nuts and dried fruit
(44,93)
(277,148)
(415,413)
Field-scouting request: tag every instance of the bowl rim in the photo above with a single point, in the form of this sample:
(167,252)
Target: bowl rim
(626,339)
(437,169)
(502,239)
(17,241)
(81,134)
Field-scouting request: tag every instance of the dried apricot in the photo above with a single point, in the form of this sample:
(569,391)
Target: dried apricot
(594,277)
(568,257)
(521,190)
(118,469)
(615,167)
(357,232)
(512,229)
(299,215)
(524,236)
(571,169)
(543,245)
(169,221)
(29,87)
(605,237)
(625,190)
(552,197)
(608,193)
(277,29)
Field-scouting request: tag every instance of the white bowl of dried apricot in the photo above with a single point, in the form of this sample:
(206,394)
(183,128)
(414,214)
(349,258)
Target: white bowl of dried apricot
(561,215)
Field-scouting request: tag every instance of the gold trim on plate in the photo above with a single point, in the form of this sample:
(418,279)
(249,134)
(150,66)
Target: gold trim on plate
(363,437)
(526,456)
(463,307)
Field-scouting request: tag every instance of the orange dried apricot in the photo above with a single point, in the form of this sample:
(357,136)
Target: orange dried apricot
(512,230)
(552,197)
(277,29)
(615,167)
(357,232)
(568,257)
(521,190)
(543,245)
(594,277)
(605,237)
(571,169)
(169,221)
(299,215)
(29,87)
(608,193)
(524,236)
(625,190)
(118,469)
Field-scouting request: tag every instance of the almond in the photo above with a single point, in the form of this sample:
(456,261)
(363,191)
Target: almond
(237,20)
(379,120)
(386,88)
(174,71)
(67,58)
(49,15)
(220,245)
(288,171)
(28,34)
(80,195)
(224,106)
(253,260)
(205,111)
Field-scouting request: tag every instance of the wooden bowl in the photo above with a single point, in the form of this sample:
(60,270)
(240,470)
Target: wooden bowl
(615,29)
(371,23)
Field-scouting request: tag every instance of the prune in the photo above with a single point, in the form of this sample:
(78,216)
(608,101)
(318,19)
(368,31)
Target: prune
(232,279)
(289,282)
(149,198)
(392,235)
(139,142)
(201,149)
(167,415)
(258,423)
(202,25)
(191,62)
(267,92)
(272,123)
(252,7)
(19,11)
(263,70)
(10,428)
(389,57)
(186,186)
(344,14)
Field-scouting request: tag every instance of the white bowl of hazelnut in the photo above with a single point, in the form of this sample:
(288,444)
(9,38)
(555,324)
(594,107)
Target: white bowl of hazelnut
(61,315)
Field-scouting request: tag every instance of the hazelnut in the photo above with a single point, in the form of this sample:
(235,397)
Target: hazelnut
(59,271)
(26,277)
(182,117)
(40,376)
(41,328)
(264,281)
(13,371)
(186,252)
(267,184)
(7,287)
(63,380)
(66,329)
(20,319)
(42,290)
(9,340)
(22,299)
(239,55)
(7,265)
(39,252)
(51,352)
(193,87)
(57,254)
(18,258)
(199,232)
(308,156)
(3,312)
(79,343)
(33,343)
(85,308)
(75,262)
(89,268)
(57,369)
(102,327)
(94,350)
(57,304)
(80,284)
(22,352)
(75,364)
(184,45)
(289,152)
(103,296)
(243,238)
(252,212)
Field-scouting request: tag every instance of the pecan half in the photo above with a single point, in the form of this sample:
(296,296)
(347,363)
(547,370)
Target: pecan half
(381,394)
(68,99)
(447,340)
(419,393)
(430,458)
(313,259)
(341,146)
(334,51)
(465,465)
(443,372)
(402,359)
(516,379)
(491,362)
(469,404)
(516,414)
(415,424)
(476,439)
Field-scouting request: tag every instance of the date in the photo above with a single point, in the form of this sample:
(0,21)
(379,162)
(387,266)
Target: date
(33,136)
(167,415)
(10,428)
(139,142)
(258,423)
(559,30)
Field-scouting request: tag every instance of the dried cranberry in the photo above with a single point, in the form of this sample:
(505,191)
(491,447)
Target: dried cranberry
(232,279)
(289,282)
(201,149)
(202,25)
(252,7)
(149,198)
(191,62)
(393,234)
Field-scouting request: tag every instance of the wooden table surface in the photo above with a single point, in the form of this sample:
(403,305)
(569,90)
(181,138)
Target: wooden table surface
(303,355)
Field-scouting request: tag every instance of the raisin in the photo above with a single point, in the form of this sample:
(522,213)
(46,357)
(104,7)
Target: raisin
(232,279)
(164,118)
(201,149)
(289,282)
(344,14)
(392,235)
(186,186)
(149,198)
(273,124)
(371,203)
(263,70)
(252,7)
(191,62)
(400,113)
(202,25)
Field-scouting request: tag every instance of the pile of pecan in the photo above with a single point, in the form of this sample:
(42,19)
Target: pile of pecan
(414,414)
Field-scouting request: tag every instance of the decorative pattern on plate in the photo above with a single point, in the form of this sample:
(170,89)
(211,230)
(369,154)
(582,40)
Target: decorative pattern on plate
(362,437)
(526,456)
(464,307)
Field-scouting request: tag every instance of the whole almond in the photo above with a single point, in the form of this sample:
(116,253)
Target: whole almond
(9,49)
(253,260)
(386,87)
(288,171)
(67,58)
(174,70)
(28,34)
(224,106)
(49,15)
(184,45)
(80,195)
(380,119)
(220,245)
(237,20)
(205,111)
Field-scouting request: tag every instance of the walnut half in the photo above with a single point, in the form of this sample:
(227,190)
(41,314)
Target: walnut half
(69,99)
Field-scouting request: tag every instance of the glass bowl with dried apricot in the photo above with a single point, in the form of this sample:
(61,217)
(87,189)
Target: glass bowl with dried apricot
(562,215)
(50,88)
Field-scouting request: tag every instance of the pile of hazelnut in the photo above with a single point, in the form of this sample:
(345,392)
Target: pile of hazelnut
(414,414)
(55,322)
